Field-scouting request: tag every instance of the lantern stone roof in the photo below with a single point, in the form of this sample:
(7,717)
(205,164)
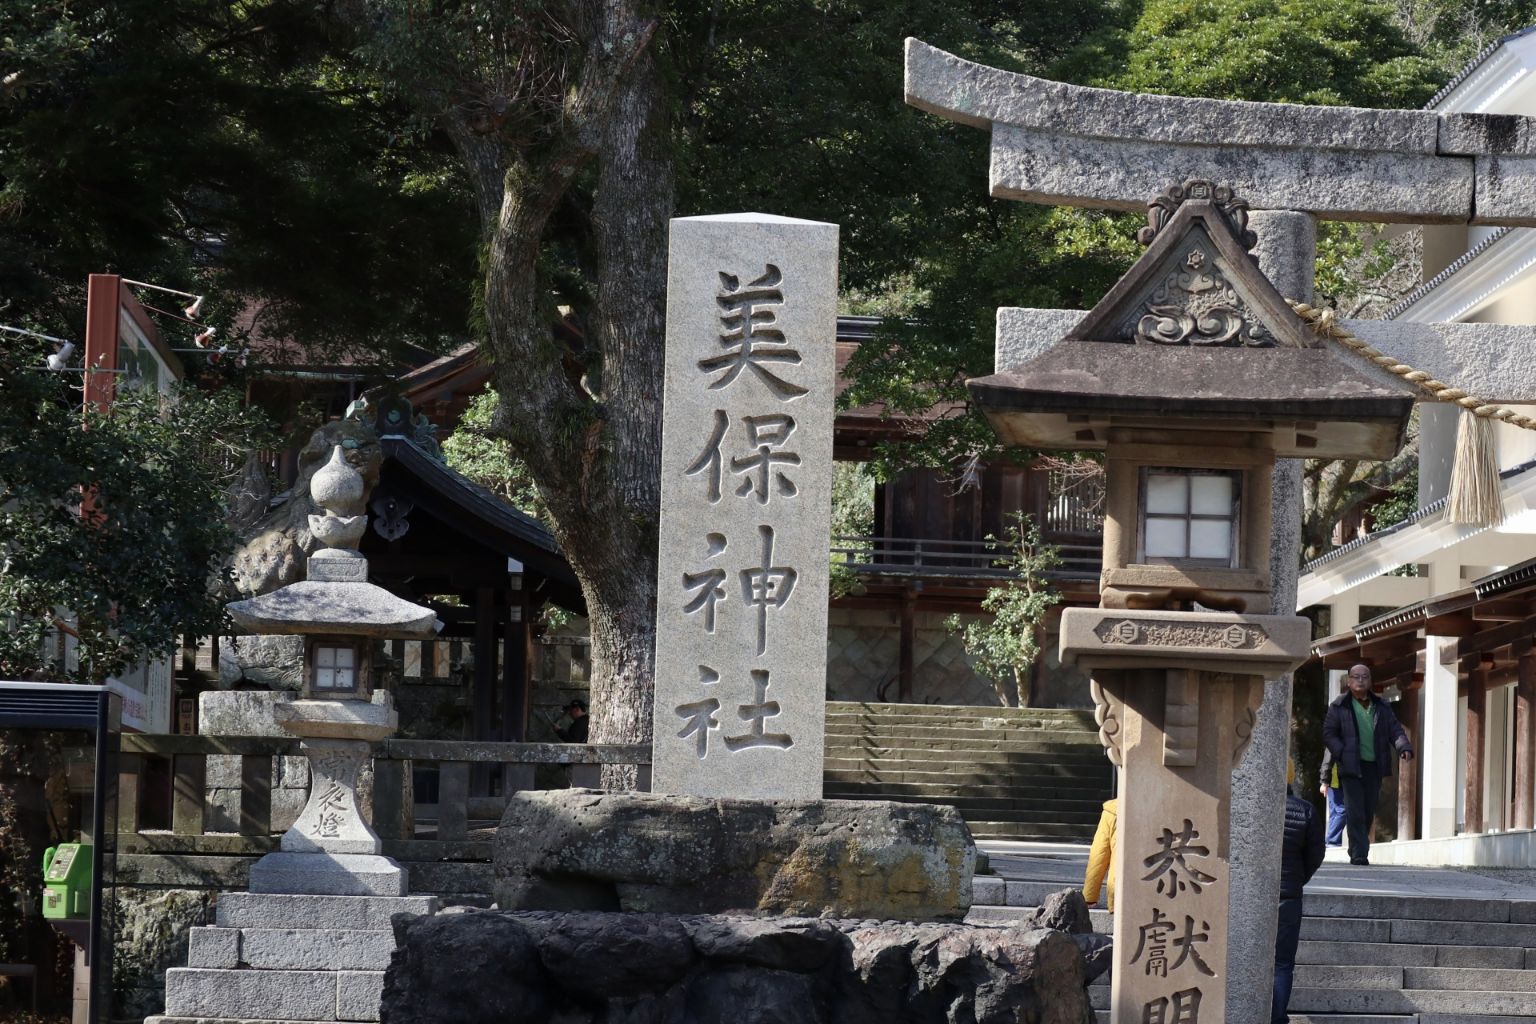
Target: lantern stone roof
(1195,336)
(336,599)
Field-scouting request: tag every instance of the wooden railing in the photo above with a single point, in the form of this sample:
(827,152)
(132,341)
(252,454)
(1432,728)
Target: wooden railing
(400,822)
(911,556)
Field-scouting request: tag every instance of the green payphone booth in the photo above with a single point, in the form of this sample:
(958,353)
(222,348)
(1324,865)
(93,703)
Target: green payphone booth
(77,878)
(67,881)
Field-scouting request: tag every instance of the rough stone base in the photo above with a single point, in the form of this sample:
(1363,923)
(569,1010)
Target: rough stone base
(496,968)
(581,849)
(337,874)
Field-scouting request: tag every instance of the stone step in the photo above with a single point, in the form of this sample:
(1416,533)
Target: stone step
(1420,908)
(1067,790)
(281,995)
(1453,1007)
(1047,809)
(911,735)
(1102,1017)
(1414,955)
(225,1020)
(992,759)
(878,708)
(933,773)
(1468,1005)
(290,949)
(1028,831)
(885,747)
(1462,979)
(350,913)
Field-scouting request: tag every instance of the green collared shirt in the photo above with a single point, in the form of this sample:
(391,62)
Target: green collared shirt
(1367,728)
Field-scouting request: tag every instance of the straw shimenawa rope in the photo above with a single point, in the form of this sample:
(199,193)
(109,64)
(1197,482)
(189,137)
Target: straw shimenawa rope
(1324,323)
(1474,495)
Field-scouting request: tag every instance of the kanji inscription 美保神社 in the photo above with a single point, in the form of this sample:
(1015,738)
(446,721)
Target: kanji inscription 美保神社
(746,486)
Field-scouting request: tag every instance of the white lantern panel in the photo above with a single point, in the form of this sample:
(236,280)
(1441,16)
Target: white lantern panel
(1166,538)
(1210,538)
(344,657)
(1211,495)
(1167,493)
(325,679)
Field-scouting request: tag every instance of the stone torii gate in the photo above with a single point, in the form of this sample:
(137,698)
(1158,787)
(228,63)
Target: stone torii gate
(1070,145)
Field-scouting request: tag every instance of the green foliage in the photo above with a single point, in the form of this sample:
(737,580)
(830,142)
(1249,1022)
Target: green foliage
(1402,502)
(220,149)
(1006,646)
(853,515)
(1283,51)
(157,468)
(475,450)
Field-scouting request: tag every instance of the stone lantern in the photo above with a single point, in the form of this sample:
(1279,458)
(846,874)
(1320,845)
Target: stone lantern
(1192,376)
(331,849)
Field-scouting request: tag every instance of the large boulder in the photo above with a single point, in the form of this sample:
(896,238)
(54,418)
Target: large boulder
(601,968)
(578,849)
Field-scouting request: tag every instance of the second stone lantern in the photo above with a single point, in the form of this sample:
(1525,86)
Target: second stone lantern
(1192,376)
(331,849)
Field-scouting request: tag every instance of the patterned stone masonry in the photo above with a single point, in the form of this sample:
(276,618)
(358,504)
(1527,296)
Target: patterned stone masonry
(296,959)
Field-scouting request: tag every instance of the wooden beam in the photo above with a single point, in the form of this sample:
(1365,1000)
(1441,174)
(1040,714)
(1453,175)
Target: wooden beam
(1503,609)
(1451,624)
(1477,707)
(1492,638)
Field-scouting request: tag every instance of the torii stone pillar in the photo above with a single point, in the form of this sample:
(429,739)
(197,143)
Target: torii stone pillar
(1053,142)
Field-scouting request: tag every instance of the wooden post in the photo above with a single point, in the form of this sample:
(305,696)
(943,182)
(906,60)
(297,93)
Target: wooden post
(452,800)
(516,683)
(389,799)
(128,766)
(188,793)
(484,698)
(1408,771)
(256,795)
(908,647)
(1477,705)
(1525,738)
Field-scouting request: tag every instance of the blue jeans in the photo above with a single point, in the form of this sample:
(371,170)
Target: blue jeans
(1286,937)
(1336,816)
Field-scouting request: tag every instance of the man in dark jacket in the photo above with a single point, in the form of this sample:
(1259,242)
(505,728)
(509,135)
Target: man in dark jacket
(1362,734)
(1301,851)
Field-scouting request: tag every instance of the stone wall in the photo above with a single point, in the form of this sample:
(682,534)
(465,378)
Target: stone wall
(863,658)
(151,933)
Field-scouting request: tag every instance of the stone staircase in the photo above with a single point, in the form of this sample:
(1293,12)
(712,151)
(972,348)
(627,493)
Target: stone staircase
(1012,773)
(295,959)
(1367,959)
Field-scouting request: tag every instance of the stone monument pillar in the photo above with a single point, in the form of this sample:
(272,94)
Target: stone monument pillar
(1193,376)
(746,497)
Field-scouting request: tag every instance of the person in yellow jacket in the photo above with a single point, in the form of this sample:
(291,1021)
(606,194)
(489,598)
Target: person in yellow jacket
(1102,856)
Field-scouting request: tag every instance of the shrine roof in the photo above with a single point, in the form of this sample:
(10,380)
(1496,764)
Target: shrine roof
(481,515)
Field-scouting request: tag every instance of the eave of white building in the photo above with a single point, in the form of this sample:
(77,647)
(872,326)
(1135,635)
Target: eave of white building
(1363,566)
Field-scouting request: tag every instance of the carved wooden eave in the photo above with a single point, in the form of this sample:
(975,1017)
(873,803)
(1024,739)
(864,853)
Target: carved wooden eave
(1195,337)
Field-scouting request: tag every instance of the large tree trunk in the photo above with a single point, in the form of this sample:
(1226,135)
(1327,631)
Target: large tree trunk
(529,106)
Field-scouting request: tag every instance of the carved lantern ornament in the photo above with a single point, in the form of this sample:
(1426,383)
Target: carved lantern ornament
(1192,375)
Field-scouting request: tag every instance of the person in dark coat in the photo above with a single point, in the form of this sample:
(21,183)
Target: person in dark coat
(1301,851)
(576,732)
(1363,735)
